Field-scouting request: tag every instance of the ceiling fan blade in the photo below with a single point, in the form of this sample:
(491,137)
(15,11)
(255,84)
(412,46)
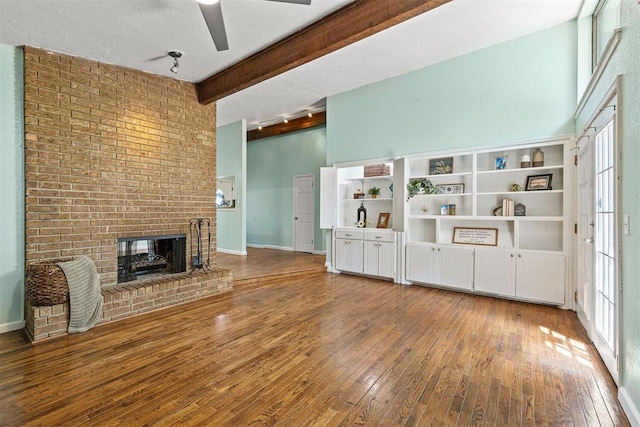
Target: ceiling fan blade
(307,2)
(213,17)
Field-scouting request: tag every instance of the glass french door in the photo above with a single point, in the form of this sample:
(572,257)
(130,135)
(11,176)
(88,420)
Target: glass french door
(606,247)
(598,264)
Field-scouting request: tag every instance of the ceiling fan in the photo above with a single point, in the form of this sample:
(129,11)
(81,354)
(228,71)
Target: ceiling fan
(212,12)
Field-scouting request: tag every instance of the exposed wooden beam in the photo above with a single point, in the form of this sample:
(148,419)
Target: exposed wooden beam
(347,25)
(294,124)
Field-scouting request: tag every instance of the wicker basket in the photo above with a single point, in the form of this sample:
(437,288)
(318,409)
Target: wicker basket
(376,170)
(46,283)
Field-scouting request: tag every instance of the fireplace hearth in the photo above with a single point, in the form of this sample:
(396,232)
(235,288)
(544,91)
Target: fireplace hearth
(151,256)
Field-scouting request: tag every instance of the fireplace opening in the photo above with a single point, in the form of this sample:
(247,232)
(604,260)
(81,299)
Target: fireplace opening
(151,256)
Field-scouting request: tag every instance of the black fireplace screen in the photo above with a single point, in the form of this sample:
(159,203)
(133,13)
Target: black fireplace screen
(151,256)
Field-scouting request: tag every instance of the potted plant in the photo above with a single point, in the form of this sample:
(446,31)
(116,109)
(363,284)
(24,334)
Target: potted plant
(420,186)
(373,192)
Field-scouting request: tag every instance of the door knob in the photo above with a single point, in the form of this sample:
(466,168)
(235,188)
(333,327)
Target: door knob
(588,240)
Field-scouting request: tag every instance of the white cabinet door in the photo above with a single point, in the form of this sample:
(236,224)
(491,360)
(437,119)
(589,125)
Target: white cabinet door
(495,271)
(371,258)
(328,198)
(540,276)
(343,254)
(387,260)
(398,194)
(349,255)
(421,263)
(440,265)
(380,259)
(456,267)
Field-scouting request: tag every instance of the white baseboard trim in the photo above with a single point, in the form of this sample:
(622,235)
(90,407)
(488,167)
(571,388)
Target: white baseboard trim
(232,252)
(629,407)
(583,319)
(11,326)
(279,248)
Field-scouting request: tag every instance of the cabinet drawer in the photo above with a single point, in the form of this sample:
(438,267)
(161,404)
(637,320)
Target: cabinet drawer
(348,234)
(379,236)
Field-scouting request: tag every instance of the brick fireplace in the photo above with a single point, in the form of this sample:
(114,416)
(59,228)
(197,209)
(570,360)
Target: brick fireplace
(114,153)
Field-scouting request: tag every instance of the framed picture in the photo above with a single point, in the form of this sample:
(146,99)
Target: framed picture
(450,188)
(383,220)
(501,162)
(441,166)
(539,182)
(475,236)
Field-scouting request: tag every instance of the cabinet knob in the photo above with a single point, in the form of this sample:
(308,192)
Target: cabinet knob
(378,237)
(511,255)
(519,255)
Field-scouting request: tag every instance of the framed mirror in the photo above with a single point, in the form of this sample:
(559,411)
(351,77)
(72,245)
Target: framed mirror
(225,192)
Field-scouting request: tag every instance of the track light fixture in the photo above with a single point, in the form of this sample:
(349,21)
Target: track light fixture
(175,55)
(284,119)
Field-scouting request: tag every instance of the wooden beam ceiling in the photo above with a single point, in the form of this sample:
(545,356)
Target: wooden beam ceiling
(347,25)
(294,124)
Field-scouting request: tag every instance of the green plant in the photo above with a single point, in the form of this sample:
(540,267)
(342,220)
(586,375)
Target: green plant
(374,191)
(420,186)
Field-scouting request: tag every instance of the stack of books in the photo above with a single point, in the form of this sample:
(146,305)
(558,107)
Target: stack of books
(507,207)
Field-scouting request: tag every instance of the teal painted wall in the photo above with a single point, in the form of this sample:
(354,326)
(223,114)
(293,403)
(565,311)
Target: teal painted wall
(231,160)
(629,133)
(12,189)
(517,90)
(271,165)
(626,63)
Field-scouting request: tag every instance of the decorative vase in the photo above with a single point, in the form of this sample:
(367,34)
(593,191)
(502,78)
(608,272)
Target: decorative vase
(525,161)
(538,158)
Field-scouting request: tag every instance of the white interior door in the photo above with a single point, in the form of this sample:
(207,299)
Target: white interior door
(303,205)
(586,213)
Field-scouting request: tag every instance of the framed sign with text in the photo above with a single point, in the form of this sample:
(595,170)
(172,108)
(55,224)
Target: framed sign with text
(475,236)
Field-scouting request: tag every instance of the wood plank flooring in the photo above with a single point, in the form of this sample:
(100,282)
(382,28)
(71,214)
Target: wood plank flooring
(263,265)
(321,350)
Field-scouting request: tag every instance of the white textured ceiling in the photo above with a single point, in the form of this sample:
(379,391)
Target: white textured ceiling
(139,33)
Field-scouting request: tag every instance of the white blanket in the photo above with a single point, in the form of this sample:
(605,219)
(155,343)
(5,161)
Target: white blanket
(85,298)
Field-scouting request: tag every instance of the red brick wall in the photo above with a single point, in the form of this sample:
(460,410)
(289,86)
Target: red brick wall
(111,152)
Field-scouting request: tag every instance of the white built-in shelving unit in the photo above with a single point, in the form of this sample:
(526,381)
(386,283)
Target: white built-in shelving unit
(529,260)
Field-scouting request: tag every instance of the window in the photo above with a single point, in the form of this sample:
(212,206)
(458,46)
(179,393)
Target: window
(606,19)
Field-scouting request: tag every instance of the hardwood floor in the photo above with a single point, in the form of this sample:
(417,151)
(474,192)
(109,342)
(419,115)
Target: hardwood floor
(262,265)
(323,350)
